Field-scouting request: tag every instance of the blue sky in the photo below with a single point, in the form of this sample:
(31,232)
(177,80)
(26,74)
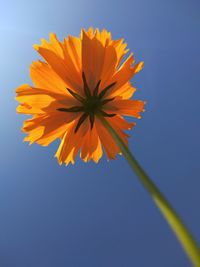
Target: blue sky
(99,215)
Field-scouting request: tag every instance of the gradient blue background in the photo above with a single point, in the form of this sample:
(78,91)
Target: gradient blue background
(99,215)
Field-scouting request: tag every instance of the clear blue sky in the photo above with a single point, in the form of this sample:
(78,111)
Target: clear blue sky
(90,215)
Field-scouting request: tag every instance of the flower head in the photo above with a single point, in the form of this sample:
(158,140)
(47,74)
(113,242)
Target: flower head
(82,80)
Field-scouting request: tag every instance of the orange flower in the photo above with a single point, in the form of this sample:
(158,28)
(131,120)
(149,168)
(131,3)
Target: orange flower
(82,80)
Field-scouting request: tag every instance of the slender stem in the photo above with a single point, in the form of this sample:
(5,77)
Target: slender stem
(182,233)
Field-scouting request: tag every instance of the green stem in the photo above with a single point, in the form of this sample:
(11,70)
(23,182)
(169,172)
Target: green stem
(182,233)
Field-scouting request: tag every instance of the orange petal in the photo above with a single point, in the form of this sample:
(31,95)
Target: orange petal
(33,100)
(89,32)
(56,54)
(107,141)
(74,48)
(54,45)
(91,147)
(109,66)
(120,123)
(36,100)
(92,59)
(124,92)
(43,76)
(125,73)
(98,152)
(72,58)
(104,36)
(126,107)
(120,48)
(71,143)
(44,129)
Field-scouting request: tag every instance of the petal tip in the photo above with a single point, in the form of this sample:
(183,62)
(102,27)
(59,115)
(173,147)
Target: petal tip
(36,47)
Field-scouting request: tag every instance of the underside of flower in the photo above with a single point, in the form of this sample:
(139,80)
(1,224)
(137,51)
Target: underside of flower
(92,104)
(81,81)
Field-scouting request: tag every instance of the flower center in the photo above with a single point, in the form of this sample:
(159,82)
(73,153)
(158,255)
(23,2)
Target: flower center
(91,104)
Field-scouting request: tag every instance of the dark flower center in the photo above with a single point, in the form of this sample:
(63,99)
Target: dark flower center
(91,104)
